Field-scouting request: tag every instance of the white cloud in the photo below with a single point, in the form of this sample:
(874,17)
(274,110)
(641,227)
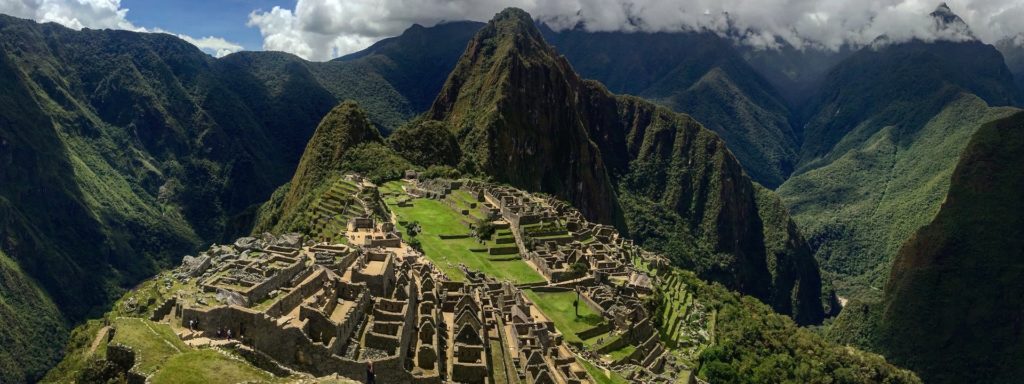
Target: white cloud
(217,46)
(324,29)
(101,14)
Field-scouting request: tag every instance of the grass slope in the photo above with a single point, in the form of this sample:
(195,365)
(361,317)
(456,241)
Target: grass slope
(558,306)
(436,219)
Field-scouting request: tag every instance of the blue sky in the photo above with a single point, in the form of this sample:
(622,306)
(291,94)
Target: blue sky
(200,18)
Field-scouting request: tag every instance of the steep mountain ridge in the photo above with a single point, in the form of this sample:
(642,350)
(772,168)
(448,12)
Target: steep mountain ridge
(522,116)
(343,136)
(952,305)
(700,74)
(508,69)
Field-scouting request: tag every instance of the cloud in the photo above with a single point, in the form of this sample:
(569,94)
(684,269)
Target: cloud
(216,46)
(101,14)
(324,29)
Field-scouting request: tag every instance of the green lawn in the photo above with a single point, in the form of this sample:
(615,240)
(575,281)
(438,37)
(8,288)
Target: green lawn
(161,353)
(154,342)
(558,307)
(394,187)
(600,376)
(208,366)
(622,353)
(435,219)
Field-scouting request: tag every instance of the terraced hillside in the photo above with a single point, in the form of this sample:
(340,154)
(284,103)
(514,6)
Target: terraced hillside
(331,212)
(683,321)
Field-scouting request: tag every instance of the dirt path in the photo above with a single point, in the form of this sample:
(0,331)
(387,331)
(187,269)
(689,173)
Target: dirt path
(100,336)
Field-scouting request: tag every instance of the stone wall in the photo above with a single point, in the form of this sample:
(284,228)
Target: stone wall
(502,250)
(121,355)
(291,347)
(278,280)
(296,296)
(164,309)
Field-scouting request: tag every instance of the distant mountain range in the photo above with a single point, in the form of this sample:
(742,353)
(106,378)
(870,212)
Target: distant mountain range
(120,152)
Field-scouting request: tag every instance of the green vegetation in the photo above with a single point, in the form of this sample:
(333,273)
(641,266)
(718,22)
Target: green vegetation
(208,366)
(426,143)
(678,189)
(600,375)
(154,342)
(29,324)
(438,219)
(675,302)
(161,354)
(558,306)
(698,74)
(860,208)
(949,309)
(752,344)
(345,141)
(376,162)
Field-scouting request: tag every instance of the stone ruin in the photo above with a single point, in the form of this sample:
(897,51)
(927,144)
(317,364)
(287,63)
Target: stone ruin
(328,309)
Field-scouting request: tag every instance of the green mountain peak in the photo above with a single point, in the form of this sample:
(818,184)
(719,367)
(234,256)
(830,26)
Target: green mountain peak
(523,116)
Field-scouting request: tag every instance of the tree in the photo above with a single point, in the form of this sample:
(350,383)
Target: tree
(579,269)
(414,243)
(413,229)
(484,229)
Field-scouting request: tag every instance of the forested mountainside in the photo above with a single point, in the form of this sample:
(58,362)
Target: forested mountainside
(950,307)
(881,141)
(123,151)
(522,116)
(700,74)
(796,73)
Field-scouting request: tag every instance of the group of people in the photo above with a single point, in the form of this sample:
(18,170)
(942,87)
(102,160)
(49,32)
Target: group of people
(222,332)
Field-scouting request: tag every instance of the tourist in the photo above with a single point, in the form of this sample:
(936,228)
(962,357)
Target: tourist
(229,333)
(370,377)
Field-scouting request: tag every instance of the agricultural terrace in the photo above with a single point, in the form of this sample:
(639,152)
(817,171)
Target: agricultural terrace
(558,306)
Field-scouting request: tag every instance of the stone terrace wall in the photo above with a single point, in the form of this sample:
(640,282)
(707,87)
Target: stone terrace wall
(296,296)
(291,347)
